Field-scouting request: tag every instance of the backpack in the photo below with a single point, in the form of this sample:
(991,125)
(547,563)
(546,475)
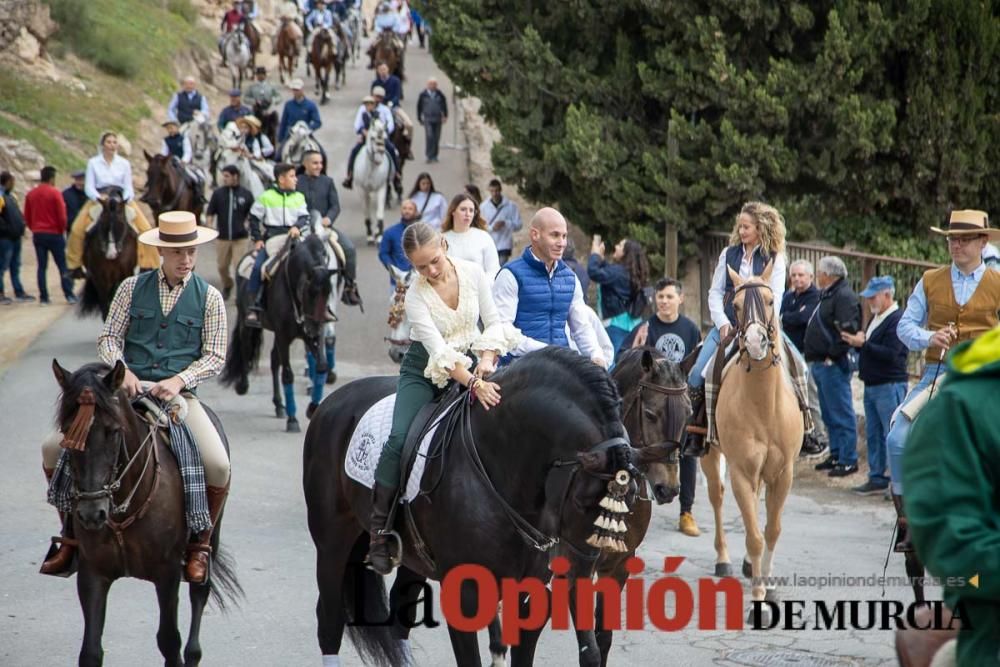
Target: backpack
(641,304)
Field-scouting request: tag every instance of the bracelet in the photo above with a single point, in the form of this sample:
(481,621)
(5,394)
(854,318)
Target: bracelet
(473,383)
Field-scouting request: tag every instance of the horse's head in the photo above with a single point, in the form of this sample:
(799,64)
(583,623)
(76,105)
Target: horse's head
(376,139)
(112,221)
(310,280)
(657,409)
(160,178)
(756,327)
(93,421)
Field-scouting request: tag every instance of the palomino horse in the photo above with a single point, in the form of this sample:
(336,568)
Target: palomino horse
(110,252)
(287,48)
(371,177)
(296,307)
(504,491)
(239,58)
(128,512)
(200,131)
(169,188)
(399,327)
(255,175)
(300,141)
(760,430)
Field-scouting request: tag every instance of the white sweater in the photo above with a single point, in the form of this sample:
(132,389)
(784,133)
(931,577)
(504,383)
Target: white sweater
(475,246)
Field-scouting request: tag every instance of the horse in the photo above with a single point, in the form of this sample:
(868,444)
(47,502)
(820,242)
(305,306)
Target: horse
(128,512)
(760,430)
(402,140)
(371,176)
(385,50)
(399,327)
(300,141)
(354,28)
(330,333)
(269,119)
(288,49)
(169,188)
(253,38)
(255,175)
(507,489)
(239,58)
(110,253)
(323,58)
(296,307)
(204,142)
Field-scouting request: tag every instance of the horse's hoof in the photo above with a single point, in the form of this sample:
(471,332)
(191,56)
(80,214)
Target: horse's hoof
(759,618)
(771,595)
(311,410)
(242,387)
(331,377)
(723,570)
(279,412)
(747,569)
(292,425)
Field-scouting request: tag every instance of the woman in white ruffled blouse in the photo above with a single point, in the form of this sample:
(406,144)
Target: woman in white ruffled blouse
(444,305)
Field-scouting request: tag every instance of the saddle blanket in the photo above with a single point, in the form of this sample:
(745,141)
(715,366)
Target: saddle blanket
(370,437)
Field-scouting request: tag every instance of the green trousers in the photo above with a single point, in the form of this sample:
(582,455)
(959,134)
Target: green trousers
(413,392)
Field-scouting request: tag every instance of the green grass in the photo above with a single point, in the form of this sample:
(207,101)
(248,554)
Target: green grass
(57,153)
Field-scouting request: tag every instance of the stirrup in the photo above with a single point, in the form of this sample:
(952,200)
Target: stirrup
(394,560)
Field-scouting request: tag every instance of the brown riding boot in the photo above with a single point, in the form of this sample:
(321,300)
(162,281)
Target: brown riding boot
(380,557)
(196,569)
(694,444)
(60,558)
(903,544)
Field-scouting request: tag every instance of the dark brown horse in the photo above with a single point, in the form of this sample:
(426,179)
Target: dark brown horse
(323,58)
(128,512)
(169,187)
(403,143)
(110,253)
(250,30)
(288,49)
(385,50)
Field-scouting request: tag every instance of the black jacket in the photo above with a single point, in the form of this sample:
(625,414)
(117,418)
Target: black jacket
(882,359)
(838,304)
(232,206)
(796,309)
(321,195)
(11,219)
(432,106)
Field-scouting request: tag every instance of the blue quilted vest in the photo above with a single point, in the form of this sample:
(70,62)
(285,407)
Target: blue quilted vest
(542,302)
(175,144)
(734,257)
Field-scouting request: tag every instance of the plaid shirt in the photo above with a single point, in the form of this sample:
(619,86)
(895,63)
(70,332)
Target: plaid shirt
(111,342)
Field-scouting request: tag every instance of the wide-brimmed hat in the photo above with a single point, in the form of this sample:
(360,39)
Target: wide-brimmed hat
(251,119)
(968,222)
(368,99)
(378,91)
(169,122)
(177,229)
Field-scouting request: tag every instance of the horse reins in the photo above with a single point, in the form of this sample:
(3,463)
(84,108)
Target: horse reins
(756,313)
(636,402)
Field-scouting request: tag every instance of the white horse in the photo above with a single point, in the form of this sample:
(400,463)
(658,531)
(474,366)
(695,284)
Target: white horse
(300,140)
(371,176)
(236,46)
(204,142)
(398,339)
(255,175)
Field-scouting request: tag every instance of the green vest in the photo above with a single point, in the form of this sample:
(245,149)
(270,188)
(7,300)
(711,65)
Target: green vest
(159,346)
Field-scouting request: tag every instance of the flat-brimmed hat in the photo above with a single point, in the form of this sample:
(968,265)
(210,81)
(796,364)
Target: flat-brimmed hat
(878,284)
(79,173)
(251,119)
(260,69)
(296,84)
(968,222)
(177,229)
(169,122)
(235,92)
(378,91)
(368,99)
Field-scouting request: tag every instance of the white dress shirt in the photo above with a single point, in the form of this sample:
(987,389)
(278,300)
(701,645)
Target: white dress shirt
(383,113)
(717,291)
(101,174)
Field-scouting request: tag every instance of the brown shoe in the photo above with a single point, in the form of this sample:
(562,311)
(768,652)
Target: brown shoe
(199,553)
(688,526)
(59,561)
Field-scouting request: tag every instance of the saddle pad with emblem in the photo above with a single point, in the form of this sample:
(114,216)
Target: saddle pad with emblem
(370,437)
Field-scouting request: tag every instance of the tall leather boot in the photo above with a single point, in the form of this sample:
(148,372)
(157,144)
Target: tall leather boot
(380,556)
(903,544)
(196,569)
(60,557)
(694,444)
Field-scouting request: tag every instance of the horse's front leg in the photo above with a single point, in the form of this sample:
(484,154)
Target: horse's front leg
(279,406)
(586,640)
(168,637)
(93,593)
(288,383)
(199,598)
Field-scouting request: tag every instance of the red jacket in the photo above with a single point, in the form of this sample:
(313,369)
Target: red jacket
(45,210)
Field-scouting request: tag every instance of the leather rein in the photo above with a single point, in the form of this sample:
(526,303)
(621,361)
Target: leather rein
(636,404)
(756,313)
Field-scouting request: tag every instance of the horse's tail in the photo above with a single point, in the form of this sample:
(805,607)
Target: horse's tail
(224,586)
(375,643)
(90,301)
(244,350)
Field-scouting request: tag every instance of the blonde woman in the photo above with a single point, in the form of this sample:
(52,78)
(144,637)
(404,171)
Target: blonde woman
(444,305)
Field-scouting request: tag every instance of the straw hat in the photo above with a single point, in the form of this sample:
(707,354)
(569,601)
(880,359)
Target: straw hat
(968,222)
(253,120)
(177,229)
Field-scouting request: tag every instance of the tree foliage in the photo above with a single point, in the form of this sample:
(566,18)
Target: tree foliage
(864,122)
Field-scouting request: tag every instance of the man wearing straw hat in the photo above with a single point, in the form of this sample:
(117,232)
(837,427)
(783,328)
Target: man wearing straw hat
(949,305)
(169,328)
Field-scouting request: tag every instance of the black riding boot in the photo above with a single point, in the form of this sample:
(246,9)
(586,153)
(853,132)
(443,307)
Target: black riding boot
(252,318)
(380,556)
(350,295)
(694,444)
(903,544)
(348,182)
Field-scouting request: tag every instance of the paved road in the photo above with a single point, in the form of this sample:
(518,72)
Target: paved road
(40,623)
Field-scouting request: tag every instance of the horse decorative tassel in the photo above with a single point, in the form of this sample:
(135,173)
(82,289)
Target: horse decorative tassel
(610,526)
(76,437)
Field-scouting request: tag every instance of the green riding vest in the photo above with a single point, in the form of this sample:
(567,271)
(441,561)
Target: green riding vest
(159,346)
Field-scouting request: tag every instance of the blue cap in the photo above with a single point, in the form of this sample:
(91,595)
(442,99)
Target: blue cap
(878,284)
(235,92)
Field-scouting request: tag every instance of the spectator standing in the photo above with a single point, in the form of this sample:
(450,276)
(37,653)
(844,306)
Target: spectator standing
(390,83)
(502,220)
(390,250)
(11,231)
(797,306)
(431,204)
(74,197)
(227,212)
(432,113)
(827,354)
(45,216)
(620,280)
(296,109)
(236,109)
(467,238)
(882,367)
(186,101)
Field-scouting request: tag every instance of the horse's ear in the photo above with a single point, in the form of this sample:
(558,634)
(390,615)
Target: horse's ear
(735,277)
(593,462)
(647,361)
(113,380)
(62,375)
(149,158)
(687,363)
(766,274)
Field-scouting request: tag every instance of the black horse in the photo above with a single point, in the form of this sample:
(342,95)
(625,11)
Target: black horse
(128,512)
(506,484)
(269,120)
(295,307)
(110,254)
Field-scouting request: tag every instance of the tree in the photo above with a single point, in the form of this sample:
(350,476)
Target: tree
(862,121)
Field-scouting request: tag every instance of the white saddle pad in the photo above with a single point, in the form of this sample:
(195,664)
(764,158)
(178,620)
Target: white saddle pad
(370,437)
(273,245)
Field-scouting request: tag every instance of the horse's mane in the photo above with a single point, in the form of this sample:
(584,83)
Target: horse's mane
(89,376)
(628,369)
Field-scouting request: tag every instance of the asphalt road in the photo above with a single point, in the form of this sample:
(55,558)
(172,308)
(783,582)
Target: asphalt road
(825,532)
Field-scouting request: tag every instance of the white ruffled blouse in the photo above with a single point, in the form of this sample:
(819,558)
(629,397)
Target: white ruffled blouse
(449,334)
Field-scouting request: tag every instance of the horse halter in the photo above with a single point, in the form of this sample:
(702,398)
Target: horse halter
(636,404)
(755,315)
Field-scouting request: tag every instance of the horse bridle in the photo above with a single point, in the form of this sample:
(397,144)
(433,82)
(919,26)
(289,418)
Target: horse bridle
(636,403)
(755,313)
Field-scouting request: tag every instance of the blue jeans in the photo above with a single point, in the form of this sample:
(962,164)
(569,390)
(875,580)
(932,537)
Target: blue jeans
(10,259)
(880,402)
(837,406)
(258,264)
(617,337)
(895,441)
(708,348)
(55,244)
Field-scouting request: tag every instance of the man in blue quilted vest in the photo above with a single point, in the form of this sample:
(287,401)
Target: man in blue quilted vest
(539,294)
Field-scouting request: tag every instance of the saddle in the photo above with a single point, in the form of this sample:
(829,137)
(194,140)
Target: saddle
(424,420)
(918,648)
